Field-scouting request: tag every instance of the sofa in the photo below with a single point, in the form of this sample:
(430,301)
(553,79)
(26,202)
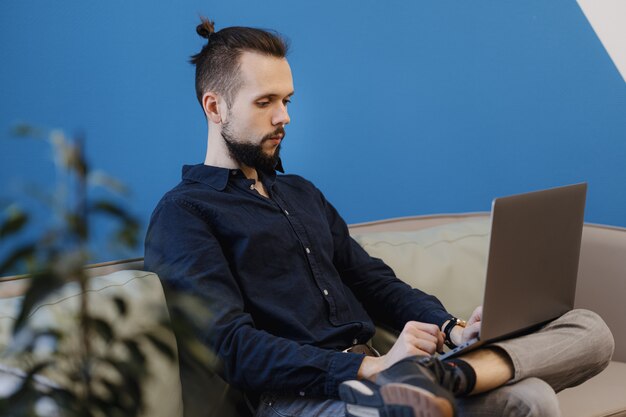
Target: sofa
(441,254)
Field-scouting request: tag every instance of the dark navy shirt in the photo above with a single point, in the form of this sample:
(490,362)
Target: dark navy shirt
(293,288)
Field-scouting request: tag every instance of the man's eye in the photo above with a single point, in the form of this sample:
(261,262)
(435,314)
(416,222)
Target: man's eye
(262,103)
(285,102)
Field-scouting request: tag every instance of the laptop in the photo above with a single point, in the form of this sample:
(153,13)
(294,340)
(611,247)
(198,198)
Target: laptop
(532,264)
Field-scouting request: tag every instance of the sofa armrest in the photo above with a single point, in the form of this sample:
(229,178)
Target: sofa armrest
(602,279)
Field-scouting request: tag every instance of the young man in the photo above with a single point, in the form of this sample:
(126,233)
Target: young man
(296,298)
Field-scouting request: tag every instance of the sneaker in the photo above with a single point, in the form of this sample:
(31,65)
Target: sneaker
(409,388)
(445,374)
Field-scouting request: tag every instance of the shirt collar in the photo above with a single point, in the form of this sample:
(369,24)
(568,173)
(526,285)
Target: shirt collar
(279,166)
(217,177)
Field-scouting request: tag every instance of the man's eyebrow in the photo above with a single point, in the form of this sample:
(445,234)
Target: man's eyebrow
(273,95)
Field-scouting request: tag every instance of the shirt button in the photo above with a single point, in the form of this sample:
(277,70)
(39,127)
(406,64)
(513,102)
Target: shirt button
(307,250)
(355,341)
(325,292)
(302,393)
(252,186)
(286,212)
(234,172)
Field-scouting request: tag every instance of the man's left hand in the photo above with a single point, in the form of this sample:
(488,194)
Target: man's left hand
(460,335)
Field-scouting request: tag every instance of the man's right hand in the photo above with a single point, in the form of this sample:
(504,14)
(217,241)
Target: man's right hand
(415,339)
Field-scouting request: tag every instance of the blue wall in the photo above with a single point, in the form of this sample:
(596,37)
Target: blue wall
(401,107)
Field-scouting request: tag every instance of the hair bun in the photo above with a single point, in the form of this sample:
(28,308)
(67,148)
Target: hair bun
(206,28)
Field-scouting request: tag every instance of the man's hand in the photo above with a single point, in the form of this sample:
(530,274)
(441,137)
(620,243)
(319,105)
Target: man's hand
(415,339)
(460,335)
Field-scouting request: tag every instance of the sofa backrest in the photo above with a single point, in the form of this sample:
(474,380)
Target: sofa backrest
(446,260)
(601,283)
(601,276)
(145,311)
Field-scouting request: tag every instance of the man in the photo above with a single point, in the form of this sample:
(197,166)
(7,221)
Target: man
(296,298)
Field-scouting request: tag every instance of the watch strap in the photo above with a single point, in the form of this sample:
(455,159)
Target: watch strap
(448,329)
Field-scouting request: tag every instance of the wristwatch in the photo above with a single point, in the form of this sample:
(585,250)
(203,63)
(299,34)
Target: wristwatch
(448,329)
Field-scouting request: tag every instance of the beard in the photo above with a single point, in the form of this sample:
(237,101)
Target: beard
(250,152)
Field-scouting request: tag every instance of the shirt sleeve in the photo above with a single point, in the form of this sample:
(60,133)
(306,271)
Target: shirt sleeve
(387,299)
(181,248)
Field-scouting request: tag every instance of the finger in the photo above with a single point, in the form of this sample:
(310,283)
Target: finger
(423,341)
(432,329)
(470,332)
(419,337)
(440,341)
(476,316)
(426,346)
(428,332)
(420,352)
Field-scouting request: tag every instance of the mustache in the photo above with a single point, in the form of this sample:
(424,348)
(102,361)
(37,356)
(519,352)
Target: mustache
(279,131)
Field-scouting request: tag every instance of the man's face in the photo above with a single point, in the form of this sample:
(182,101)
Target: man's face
(254,125)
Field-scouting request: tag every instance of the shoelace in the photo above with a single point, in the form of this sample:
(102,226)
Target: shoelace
(445,373)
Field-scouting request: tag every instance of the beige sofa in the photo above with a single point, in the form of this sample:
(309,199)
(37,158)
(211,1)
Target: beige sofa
(441,254)
(146,306)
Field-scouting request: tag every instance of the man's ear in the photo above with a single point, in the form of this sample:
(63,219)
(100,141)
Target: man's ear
(211,107)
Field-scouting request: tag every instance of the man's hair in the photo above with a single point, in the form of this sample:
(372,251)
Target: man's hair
(217,64)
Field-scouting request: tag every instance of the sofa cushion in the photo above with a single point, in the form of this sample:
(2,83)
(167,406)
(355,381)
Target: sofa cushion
(447,261)
(601,396)
(145,301)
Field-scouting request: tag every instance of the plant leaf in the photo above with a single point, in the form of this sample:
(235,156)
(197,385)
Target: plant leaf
(163,347)
(137,356)
(102,179)
(129,385)
(42,284)
(23,130)
(112,209)
(75,159)
(77,225)
(120,304)
(29,339)
(15,222)
(103,328)
(129,234)
(19,254)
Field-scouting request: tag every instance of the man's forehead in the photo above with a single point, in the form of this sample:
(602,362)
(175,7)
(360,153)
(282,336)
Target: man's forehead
(265,74)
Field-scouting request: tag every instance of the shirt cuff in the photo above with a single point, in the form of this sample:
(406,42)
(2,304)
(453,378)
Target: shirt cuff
(440,317)
(343,367)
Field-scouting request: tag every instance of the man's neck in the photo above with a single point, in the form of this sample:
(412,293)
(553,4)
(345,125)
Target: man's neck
(249,172)
(217,154)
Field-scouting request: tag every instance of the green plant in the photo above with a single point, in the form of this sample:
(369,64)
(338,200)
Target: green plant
(102,368)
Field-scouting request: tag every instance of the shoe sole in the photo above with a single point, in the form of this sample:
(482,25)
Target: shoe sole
(423,403)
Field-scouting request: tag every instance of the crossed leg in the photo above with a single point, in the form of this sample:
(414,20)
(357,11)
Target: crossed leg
(516,377)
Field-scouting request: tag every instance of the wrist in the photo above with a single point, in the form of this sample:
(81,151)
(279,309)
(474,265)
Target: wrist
(453,332)
(456,335)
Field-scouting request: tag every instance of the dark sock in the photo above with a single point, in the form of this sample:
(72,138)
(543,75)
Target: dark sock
(464,377)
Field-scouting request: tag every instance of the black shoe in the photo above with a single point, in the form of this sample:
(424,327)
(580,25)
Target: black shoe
(407,389)
(445,374)
(363,399)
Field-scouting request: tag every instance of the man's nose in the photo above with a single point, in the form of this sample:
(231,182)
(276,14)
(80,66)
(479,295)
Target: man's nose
(281,116)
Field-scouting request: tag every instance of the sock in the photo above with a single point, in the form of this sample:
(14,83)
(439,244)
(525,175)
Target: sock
(464,377)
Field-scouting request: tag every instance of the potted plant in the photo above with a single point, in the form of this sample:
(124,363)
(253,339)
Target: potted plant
(99,369)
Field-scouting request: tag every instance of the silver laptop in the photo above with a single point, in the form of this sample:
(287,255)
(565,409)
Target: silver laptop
(533,262)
